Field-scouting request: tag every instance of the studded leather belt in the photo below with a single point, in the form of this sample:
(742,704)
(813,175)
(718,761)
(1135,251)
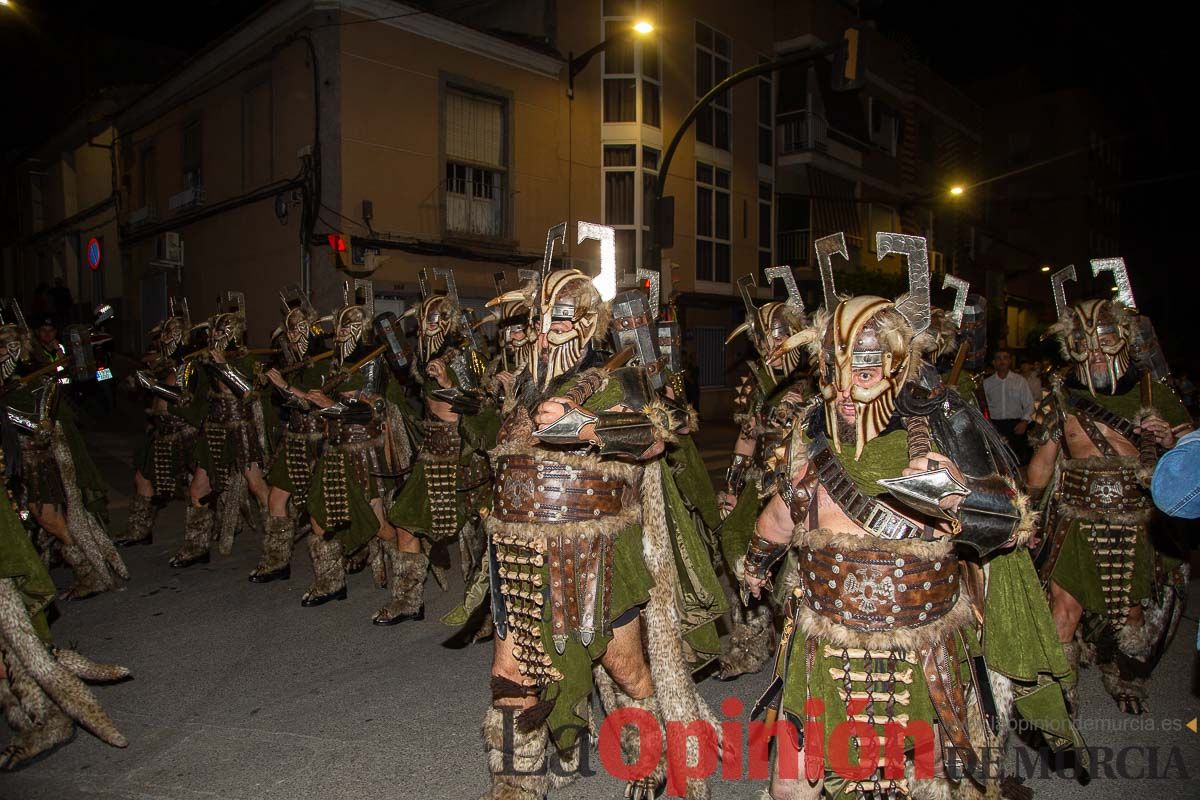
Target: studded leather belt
(341,433)
(225,408)
(538,490)
(441,439)
(1114,488)
(307,423)
(877,590)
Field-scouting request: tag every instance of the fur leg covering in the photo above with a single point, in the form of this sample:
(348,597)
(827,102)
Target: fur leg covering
(197,537)
(750,644)
(229,512)
(89,579)
(377,562)
(139,527)
(406,583)
(678,698)
(516,758)
(1128,690)
(277,547)
(329,567)
(25,653)
(86,530)
(631,747)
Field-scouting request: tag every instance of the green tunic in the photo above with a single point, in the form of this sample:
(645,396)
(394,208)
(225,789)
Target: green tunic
(306,379)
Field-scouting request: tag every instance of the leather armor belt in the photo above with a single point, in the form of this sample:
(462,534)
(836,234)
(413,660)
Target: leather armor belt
(1093,488)
(538,490)
(225,408)
(341,433)
(305,423)
(942,677)
(1099,413)
(876,590)
(170,425)
(441,439)
(873,515)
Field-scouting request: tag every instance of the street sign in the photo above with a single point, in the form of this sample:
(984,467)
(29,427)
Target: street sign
(95,253)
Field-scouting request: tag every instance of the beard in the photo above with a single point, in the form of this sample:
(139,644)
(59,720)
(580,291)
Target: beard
(847,433)
(1101,379)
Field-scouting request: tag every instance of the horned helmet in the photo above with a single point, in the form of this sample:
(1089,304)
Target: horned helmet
(510,312)
(567,295)
(1098,327)
(353,319)
(168,335)
(228,325)
(14,339)
(771,324)
(855,333)
(299,323)
(438,315)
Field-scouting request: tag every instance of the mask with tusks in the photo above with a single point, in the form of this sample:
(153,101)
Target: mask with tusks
(171,330)
(771,324)
(1081,326)
(567,296)
(858,333)
(299,318)
(228,325)
(352,320)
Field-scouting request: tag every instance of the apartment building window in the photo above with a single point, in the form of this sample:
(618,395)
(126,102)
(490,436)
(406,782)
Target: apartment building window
(632,66)
(713,229)
(192,156)
(476,146)
(885,125)
(624,207)
(766,118)
(714,62)
(883,219)
(148,190)
(710,355)
(258,136)
(766,196)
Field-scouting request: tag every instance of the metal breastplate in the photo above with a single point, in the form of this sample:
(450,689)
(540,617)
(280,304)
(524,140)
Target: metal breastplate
(534,489)
(873,590)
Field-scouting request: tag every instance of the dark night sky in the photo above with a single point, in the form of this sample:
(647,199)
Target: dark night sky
(59,49)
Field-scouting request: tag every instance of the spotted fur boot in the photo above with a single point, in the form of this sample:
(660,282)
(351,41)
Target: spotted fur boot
(139,529)
(276,561)
(89,579)
(516,758)
(406,582)
(197,538)
(329,572)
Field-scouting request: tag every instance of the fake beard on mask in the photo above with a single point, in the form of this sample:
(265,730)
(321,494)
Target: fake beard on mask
(1101,379)
(428,346)
(847,433)
(565,350)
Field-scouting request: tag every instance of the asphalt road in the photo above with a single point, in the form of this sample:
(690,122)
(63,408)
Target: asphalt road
(240,693)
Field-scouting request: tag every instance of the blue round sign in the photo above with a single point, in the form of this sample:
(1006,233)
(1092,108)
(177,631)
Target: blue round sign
(93,253)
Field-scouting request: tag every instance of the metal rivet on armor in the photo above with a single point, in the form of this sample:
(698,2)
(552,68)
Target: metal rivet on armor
(595,512)
(937,565)
(832,584)
(847,615)
(838,557)
(812,576)
(925,585)
(903,587)
(817,604)
(810,556)
(591,492)
(537,505)
(899,573)
(836,569)
(899,562)
(889,619)
(950,579)
(896,609)
(922,616)
(837,603)
(928,606)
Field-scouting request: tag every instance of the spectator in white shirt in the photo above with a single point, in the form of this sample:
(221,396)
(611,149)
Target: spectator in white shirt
(1010,403)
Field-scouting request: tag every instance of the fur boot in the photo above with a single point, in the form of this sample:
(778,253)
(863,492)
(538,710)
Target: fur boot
(357,561)
(516,759)
(140,527)
(749,645)
(89,580)
(197,537)
(276,561)
(1127,689)
(329,572)
(644,788)
(406,582)
(38,725)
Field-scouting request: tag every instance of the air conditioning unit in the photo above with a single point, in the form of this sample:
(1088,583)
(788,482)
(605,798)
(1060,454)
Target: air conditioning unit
(170,249)
(142,216)
(187,198)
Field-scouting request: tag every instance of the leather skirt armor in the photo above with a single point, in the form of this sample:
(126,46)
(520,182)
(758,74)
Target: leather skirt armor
(171,442)
(300,450)
(232,436)
(41,480)
(355,453)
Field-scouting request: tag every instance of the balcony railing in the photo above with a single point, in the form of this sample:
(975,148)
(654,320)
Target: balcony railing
(793,247)
(800,131)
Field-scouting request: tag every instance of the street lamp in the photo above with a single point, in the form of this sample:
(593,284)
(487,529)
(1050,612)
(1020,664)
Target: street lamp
(1045,268)
(956,190)
(576,64)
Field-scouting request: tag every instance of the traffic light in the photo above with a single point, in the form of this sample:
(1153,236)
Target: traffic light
(340,249)
(849,68)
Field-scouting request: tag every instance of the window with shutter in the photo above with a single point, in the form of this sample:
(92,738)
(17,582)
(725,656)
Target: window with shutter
(476,146)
